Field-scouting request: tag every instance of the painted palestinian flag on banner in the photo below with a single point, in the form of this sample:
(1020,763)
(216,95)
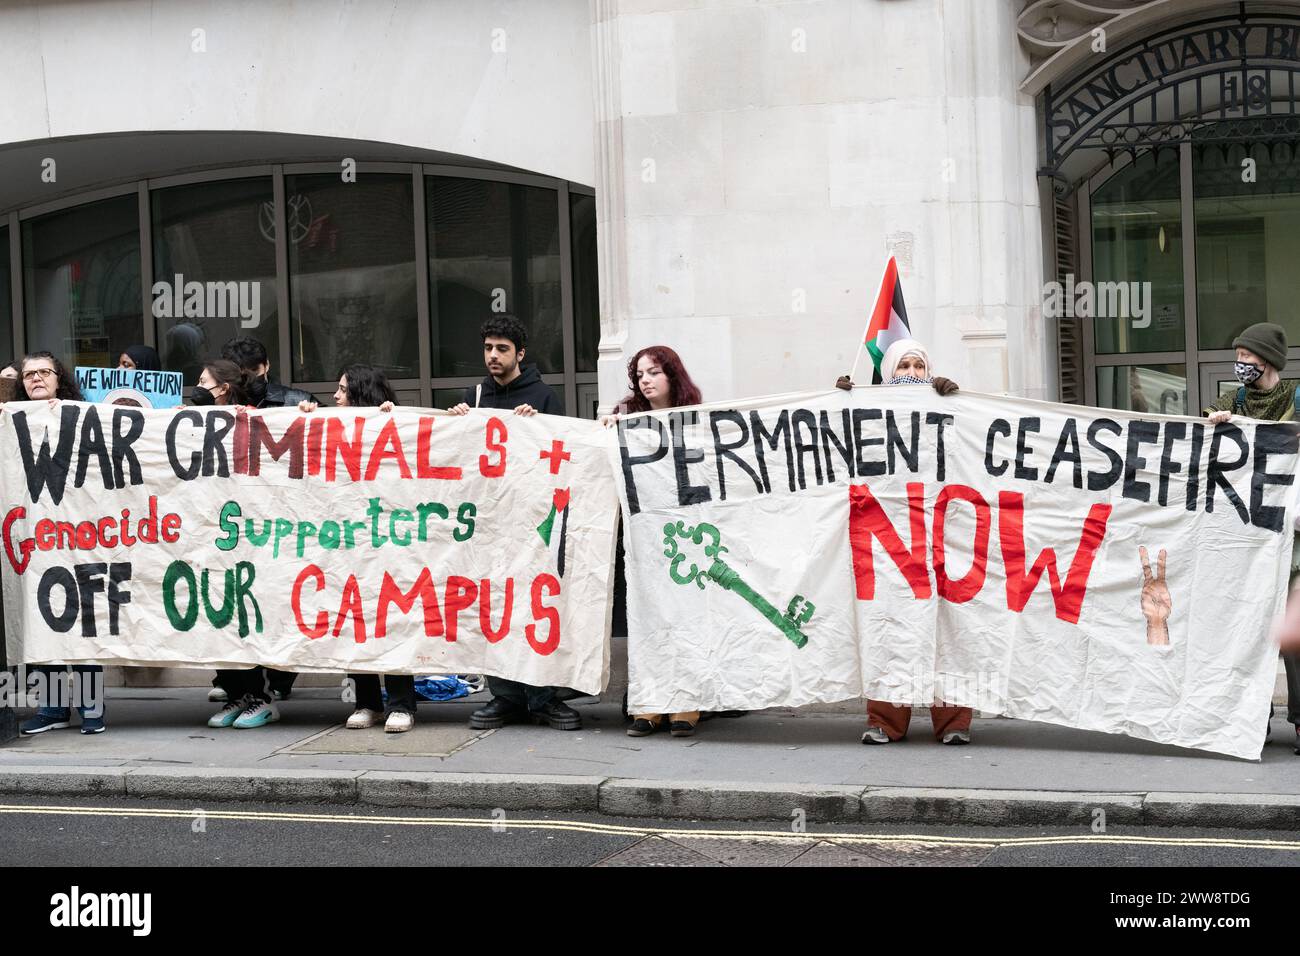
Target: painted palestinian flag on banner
(554,530)
(888,319)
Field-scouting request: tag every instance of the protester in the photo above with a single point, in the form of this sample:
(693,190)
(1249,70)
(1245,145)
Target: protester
(906,362)
(364,386)
(1264,395)
(142,357)
(250,355)
(42,377)
(657,380)
(512,385)
(248,699)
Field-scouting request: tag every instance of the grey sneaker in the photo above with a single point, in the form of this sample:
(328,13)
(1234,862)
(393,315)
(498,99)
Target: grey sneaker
(875,735)
(957,737)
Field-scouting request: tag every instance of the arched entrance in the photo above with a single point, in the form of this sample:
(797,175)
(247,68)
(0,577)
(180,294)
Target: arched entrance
(1172,169)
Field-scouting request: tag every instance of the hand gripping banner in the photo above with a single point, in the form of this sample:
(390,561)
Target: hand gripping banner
(343,540)
(1091,568)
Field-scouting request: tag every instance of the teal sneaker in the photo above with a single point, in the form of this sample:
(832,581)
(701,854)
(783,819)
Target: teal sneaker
(228,714)
(258,714)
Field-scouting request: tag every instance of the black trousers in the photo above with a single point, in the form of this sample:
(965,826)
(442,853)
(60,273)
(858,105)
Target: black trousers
(281,681)
(250,682)
(401,692)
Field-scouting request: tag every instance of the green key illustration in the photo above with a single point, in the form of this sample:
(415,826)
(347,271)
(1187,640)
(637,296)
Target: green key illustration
(797,613)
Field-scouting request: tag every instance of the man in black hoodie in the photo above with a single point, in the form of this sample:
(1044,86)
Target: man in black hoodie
(512,385)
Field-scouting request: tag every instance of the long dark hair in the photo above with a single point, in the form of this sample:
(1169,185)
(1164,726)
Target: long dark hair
(67,389)
(228,373)
(681,390)
(367,386)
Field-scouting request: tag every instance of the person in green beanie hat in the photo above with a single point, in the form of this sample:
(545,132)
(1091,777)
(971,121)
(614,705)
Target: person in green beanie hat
(1266,396)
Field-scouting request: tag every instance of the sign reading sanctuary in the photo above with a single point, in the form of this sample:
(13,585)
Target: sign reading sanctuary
(343,540)
(1091,568)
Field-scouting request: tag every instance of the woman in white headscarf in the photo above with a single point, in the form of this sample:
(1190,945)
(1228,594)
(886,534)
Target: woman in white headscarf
(907,362)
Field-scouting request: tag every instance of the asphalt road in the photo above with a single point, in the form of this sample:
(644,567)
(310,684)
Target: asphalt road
(121,832)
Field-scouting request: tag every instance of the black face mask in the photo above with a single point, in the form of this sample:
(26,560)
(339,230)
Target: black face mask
(257,390)
(201,396)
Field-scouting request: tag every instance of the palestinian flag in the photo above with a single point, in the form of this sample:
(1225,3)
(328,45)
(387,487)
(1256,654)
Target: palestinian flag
(556,538)
(888,319)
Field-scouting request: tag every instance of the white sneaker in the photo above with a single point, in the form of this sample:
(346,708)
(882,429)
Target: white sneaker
(399,722)
(216,695)
(362,718)
(258,713)
(875,735)
(228,714)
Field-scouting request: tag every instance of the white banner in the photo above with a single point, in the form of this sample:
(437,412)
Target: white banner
(1091,568)
(348,539)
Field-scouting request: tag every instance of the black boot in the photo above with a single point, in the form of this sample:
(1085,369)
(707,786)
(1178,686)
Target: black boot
(496,713)
(559,715)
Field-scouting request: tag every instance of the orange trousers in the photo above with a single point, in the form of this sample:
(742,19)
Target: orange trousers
(894,718)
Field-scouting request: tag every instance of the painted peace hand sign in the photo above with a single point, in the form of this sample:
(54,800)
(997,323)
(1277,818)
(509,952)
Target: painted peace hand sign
(1157,605)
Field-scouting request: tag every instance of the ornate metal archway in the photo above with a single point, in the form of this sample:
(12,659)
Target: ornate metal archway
(1227,78)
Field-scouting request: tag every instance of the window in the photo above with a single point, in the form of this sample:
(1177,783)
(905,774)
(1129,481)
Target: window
(216,240)
(586,292)
(1137,238)
(350,278)
(1247,242)
(1154,389)
(352,275)
(6,304)
(81,281)
(493,247)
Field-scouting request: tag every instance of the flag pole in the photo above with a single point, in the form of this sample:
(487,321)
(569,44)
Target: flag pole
(862,339)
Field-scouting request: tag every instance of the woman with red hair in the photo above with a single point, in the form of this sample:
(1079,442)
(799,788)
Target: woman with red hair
(658,380)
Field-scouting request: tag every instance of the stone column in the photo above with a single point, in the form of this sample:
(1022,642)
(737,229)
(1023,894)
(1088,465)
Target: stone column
(611,244)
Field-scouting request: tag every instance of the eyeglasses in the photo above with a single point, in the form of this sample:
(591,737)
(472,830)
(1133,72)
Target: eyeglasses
(36,373)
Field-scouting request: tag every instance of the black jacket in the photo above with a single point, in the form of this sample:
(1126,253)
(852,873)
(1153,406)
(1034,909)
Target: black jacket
(527,389)
(281,396)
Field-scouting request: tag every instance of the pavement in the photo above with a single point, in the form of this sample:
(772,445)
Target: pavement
(774,765)
(771,765)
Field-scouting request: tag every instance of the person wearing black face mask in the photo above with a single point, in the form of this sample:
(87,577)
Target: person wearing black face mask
(245,693)
(1266,396)
(221,383)
(250,355)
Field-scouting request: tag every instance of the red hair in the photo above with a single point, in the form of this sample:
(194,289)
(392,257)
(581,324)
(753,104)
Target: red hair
(681,390)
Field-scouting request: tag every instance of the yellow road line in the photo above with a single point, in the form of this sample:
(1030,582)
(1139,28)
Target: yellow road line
(610,829)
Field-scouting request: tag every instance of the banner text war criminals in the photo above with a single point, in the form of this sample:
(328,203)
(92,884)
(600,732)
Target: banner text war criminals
(94,446)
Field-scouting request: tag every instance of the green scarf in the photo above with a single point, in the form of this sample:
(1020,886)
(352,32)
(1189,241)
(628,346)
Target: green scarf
(1275,405)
